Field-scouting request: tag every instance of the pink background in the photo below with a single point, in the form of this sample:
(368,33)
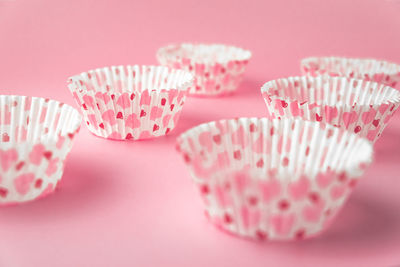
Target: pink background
(132,203)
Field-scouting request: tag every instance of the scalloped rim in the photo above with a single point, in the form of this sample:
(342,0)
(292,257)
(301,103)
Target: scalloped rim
(391,67)
(183,85)
(266,89)
(248,120)
(163,51)
(75,126)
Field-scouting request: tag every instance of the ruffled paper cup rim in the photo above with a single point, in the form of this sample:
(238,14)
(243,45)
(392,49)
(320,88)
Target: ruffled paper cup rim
(330,130)
(87,75)
(372,65)
(394,97)
(72,123)
(167,52)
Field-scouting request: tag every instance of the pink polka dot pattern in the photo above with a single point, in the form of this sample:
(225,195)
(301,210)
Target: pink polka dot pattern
(362,107)
(273,179)
(131,102)
(37,136)
(364,69)
(217,69)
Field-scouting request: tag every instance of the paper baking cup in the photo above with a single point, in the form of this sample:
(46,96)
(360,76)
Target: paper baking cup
(217,69)
(366,69)
(36,137)
(273,179)
(362,107)
(131,102)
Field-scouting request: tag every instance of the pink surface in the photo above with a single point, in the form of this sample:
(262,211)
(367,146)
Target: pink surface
(132,203)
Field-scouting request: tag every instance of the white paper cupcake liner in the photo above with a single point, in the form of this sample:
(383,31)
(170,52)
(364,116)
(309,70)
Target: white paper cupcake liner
(131,102)
(273,179)
(359,68)
(217,69)
(360,106)
(36,137)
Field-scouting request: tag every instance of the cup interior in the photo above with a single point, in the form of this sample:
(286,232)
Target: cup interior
(287,149)
(351,65)
(334,91)
(121,79)
(205,53)
(25,119)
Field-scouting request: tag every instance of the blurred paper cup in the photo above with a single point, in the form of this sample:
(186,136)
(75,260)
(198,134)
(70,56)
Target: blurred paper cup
(36,137)
(359,68)
(273,179)
(217,69)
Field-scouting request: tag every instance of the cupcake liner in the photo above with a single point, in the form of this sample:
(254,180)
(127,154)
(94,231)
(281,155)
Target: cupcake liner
(364,69)
(217,69)
(36,137)
(130,102)
(273,179)
(360,106)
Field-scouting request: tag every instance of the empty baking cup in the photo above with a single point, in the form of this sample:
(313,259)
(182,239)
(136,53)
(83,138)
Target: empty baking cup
(36,137)
(359,68)
(217,69)
(360,106)
(273,179)
(131,102)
